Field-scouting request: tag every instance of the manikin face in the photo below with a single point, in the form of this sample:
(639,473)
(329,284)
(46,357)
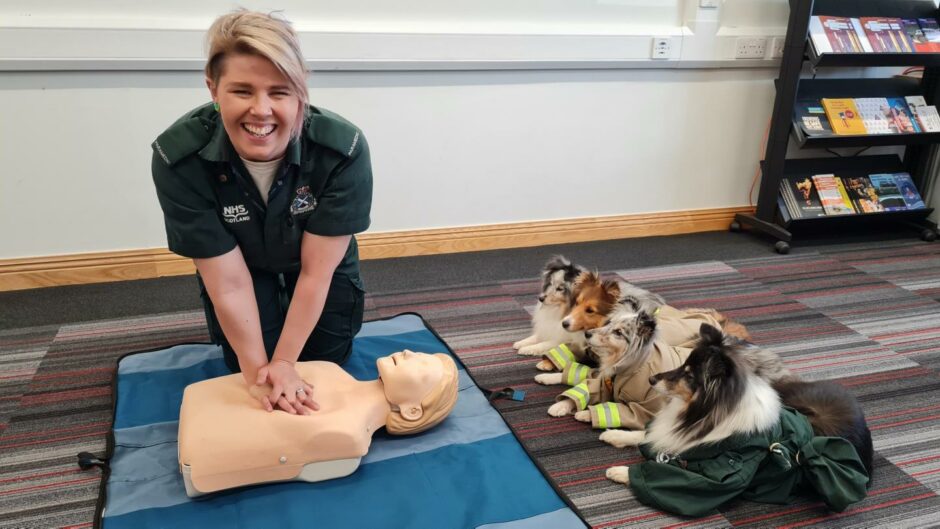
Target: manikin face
(258,108)
(408,377)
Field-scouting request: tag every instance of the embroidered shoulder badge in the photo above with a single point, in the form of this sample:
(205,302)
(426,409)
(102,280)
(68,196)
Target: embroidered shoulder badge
(303,201)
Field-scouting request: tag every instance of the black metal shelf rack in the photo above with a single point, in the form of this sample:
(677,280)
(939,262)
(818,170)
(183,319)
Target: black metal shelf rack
(772,219)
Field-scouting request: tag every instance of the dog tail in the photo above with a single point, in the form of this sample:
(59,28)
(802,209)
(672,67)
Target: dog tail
(728,326)
(832,411)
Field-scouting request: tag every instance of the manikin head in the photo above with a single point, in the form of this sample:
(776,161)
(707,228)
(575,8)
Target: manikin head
(421,387)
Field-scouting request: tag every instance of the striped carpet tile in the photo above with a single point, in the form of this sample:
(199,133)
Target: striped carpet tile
(864,316)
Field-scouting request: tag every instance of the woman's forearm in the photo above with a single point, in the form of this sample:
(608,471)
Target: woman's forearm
(230,288)
(319,257)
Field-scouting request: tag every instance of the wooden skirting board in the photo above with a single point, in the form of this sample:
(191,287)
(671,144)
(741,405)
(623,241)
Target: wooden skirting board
(100,267)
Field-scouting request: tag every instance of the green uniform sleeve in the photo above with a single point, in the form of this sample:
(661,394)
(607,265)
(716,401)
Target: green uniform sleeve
(835,471)
(346,201)
(193,226)
(670,488)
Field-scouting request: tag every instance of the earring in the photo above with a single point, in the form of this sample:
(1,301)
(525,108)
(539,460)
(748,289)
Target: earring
(215,105)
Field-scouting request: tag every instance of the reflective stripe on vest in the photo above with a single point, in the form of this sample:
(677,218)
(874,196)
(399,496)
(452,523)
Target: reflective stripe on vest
(579,394)
(561,356)
(608,416)
(577,373)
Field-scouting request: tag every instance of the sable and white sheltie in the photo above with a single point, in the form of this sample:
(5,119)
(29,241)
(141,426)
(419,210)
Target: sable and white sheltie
(555,301)
(721,390)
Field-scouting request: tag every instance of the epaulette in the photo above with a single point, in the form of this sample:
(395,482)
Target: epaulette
(182,139)
(331,130)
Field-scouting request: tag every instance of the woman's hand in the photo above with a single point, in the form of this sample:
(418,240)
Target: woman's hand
(289,392)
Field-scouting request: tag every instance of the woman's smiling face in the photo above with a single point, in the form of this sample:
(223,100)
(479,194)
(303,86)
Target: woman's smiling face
(259,110)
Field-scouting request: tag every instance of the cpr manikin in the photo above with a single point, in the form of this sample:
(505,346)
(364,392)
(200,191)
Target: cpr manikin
(227,440)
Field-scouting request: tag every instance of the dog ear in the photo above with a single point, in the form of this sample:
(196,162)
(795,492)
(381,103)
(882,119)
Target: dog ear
(612,287)
(718,366)
(710,335)
(557,262)
(629,301)
(646,326)
(584,278)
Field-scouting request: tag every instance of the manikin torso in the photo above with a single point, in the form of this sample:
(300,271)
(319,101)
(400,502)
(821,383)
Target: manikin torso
(236,442)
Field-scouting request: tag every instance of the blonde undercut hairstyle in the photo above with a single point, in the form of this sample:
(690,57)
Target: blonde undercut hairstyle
(253,33)
(436,405)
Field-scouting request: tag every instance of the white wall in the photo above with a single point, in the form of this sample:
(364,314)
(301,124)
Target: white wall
(450,148)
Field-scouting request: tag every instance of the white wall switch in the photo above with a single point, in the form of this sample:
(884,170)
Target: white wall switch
(662,48)
(776,47)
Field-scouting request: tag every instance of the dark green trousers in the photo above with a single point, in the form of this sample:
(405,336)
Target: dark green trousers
(331,339)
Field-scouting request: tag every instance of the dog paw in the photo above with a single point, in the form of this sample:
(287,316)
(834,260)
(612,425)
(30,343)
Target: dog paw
(529,350)
(583,416)
(622,438)
(548,379)
(545,365)
(561,408)
(619,474)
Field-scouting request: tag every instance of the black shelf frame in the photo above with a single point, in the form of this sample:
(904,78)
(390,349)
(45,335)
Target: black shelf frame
(791,87)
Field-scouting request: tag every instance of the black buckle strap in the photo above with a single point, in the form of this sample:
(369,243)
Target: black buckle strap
(505,393)
(87,460)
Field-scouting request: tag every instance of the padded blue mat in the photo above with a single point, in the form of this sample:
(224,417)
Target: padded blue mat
(468,472)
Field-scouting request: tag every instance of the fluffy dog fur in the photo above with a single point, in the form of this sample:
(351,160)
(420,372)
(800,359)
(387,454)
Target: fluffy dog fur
(722,390)
(555,301)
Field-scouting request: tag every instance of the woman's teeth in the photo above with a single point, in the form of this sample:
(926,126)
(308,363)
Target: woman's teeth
(259,131)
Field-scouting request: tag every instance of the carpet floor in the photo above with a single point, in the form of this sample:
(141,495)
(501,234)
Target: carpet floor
(866,316)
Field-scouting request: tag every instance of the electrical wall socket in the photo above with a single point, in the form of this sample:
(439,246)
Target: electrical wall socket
(662,48)
(750,47)
(776,47)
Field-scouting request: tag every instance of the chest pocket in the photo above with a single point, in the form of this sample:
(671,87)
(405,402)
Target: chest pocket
(303,199)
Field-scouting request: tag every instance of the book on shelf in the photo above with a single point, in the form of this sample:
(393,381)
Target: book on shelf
(908,191)
(838,35)
(931,31)
(801,198)
(874,112)
(888,194)
(843,116)
(811,116)
(926,115)
(863,196)
(886,35)
(916,35)
(900,118)
(834,200)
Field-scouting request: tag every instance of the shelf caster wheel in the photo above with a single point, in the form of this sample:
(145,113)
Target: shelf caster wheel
(735,226)
(928,235)
(782,247)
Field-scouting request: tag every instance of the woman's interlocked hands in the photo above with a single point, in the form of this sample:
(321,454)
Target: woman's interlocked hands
(288,392)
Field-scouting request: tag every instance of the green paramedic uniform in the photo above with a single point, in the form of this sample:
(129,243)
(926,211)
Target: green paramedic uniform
(766,467)
(211,205)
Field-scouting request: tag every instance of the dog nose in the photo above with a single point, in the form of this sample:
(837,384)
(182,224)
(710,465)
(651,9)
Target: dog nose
(542,298)
(565,324)
(653,380)
(587,334)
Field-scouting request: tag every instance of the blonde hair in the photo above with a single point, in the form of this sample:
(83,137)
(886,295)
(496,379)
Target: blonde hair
(252,33)
(435,405)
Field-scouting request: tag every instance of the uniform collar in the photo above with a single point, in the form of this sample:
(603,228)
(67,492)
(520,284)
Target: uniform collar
(220,149)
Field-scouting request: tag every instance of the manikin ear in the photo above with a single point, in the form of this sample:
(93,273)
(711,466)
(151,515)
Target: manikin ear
(411,411)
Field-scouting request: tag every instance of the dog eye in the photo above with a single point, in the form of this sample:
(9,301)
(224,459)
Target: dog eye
(619,333)
(560,289)
(589,310)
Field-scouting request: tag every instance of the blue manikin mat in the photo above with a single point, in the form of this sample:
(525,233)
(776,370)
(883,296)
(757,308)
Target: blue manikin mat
(468,472)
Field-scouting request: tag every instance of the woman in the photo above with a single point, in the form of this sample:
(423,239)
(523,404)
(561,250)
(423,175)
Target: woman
(264,193)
